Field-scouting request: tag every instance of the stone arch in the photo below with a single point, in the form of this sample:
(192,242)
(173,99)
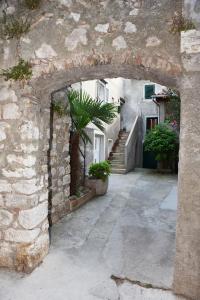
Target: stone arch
(69,42)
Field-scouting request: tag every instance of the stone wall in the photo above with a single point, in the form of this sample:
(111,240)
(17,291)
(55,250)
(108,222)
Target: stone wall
(187,264)
(23,214)
(59,168)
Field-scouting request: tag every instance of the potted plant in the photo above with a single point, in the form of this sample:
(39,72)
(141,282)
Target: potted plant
(98,177)
(163,142)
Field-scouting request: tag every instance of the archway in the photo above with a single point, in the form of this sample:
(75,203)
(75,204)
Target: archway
(84,54)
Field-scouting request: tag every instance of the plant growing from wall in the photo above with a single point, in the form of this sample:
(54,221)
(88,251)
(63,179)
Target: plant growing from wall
(22,71)
(13,27)
(59,108)
(32,4)
(162,141)
(180,23)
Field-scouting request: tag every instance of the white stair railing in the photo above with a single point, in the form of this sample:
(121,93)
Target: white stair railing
(130,146)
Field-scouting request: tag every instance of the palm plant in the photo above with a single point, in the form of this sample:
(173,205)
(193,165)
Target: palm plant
(84,110)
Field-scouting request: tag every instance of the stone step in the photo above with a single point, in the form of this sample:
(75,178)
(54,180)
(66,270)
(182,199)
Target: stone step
(122,148)
(117,161)
(118,171)
(122,138)
(117,166)
(117,153)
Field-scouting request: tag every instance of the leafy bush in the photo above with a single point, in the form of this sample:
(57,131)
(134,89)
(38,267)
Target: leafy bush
(162,141)
(22,71)
(100,170)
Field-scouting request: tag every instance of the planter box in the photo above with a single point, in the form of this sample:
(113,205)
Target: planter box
(99,186)
(75,203)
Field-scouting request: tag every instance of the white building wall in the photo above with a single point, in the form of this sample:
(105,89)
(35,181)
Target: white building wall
(111,131)
(136,104)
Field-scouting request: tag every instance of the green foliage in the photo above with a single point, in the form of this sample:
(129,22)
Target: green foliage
(22,71)
(14,27)
(180,23)
(173,107)
(32,4)
(84,109)
(100,170)
(162,141)
(59,108)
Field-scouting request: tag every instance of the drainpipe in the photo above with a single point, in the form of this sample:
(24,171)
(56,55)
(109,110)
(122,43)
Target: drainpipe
(158,105)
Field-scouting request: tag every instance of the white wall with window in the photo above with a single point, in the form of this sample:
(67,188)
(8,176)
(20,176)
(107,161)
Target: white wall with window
(108,90)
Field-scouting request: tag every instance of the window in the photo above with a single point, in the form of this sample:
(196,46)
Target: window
(151,123)
(102,91)
(149,90)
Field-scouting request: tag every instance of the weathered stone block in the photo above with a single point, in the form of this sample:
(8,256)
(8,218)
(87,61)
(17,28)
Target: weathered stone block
(2,134)
(27,161)
(30,218)
(20,201)
(11,111)
(45,51)
(190,41)
(21,236)
(6,255)
(6,218)
(43,196)
(28,257)
(29,131)
(26,187)
(6,94)
(5,186)
(66,179)
(78,36)
(27,173)
(57,199)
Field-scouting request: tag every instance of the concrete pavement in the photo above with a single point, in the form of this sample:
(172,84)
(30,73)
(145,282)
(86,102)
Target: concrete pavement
(129,233)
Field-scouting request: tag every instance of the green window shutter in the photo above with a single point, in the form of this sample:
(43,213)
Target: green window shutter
(149,91)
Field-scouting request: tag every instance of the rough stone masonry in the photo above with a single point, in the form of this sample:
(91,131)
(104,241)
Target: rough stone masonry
(69,41)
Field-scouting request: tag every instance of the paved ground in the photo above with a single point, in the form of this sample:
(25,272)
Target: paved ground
(129,233)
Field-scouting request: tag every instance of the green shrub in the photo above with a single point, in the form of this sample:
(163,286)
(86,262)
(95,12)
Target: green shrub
(100,170)
(22,71)
(162,141)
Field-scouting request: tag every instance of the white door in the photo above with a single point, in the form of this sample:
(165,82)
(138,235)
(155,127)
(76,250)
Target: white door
(97,149)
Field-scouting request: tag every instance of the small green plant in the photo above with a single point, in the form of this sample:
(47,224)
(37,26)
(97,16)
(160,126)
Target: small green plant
(100,170)
(14,27)
(180,23)
(59,108)
(22,71)
(162,141)
(32,4)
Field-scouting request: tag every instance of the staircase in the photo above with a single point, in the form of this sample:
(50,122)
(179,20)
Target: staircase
(117,156)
